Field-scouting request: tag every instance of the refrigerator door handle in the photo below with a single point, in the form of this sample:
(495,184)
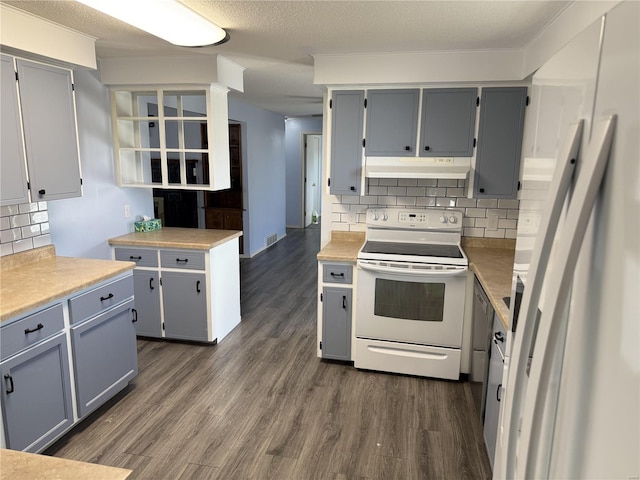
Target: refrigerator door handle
(538,418)
(524,336)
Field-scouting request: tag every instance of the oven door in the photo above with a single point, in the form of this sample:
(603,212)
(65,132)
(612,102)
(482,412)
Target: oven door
(420,304)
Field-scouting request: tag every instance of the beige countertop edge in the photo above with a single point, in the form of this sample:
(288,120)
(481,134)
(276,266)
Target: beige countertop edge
(494,269)
(29,286)
(29,466)
(343,247)
(187,238)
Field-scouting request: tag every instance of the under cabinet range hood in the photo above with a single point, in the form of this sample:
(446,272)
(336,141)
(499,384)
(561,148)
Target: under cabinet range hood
(417,167)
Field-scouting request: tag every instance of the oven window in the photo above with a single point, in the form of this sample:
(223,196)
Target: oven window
(409,300)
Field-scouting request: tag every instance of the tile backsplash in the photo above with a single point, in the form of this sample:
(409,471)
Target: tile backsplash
(23,227)
(490,218)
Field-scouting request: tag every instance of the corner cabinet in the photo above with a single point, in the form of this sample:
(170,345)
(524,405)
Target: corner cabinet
(499,142)
(46,121)
(392,122)
(167,138)
(58,364)
(347,119)
(335,311)
(185,294)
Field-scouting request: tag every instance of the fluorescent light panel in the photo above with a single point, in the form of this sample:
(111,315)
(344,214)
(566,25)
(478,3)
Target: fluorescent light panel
(168,19)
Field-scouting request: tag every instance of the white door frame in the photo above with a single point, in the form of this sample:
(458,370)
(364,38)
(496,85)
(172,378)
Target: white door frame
(303,171)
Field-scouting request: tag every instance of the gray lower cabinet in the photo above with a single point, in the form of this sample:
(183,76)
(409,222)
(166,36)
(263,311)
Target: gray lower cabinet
(104,356)
(336,323)
(392,122)
(185,305)
(499,142)
(494,388)
(448,122)
(146,285)
(36,395)
(347,119)
(13,173)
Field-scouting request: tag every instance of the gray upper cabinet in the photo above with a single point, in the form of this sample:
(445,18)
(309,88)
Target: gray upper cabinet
(347,120)
(392,121)
(448,122)
(49,121)
(499,142)
(13,171)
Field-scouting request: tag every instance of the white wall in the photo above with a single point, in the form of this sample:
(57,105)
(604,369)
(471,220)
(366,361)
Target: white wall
(264,178)
(295,127)
(81,226)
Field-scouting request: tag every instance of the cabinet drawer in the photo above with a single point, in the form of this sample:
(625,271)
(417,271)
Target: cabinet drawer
(99,299)
(337,273)
(31,330)
(182,259)
(143,258)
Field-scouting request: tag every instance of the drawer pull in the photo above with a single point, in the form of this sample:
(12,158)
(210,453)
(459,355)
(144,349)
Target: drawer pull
(182,260)
(108,297)
(134,258)
(27,331)
(10,379)
(333,274)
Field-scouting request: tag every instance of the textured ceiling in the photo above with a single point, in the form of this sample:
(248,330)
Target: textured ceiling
(275,39)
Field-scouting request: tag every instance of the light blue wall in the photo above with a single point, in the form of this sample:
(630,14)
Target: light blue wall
(80,227)
(294,128)
(264,172)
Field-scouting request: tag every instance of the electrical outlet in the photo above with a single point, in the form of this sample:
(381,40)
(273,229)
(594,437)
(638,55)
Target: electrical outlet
(127,211)
(352,217)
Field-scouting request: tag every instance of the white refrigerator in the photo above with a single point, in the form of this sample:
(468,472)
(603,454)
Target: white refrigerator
(571,404)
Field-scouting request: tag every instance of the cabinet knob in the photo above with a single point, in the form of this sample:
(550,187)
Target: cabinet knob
(407,148)
(352,188)
(41,192)
(481,190)
(427,148)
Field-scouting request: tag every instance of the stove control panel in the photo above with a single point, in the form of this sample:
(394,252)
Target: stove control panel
(415,218)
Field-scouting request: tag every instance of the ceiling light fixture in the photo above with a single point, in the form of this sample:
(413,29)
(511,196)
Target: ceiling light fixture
(168,19)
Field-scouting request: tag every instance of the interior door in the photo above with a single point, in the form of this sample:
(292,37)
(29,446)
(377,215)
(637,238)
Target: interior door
(313,156)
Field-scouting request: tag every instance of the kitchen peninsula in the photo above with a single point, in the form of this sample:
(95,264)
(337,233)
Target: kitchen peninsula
(186,281)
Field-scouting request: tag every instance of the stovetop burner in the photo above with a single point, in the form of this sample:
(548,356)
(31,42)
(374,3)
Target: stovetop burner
(414,249)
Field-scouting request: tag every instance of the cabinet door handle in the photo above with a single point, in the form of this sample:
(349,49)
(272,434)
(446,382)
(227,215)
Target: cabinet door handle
(135,315)
(198,286)
(498,392)
(41,192)
(151,287)
(108,297)
(135,259)
(27,331)
(499,336)
(9,378)
(182,260)
(344,302)
(427,148)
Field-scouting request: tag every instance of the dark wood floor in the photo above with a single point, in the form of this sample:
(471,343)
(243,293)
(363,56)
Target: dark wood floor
(261,405)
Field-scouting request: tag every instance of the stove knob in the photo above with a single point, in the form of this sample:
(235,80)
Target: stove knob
(453,219)
(443,219)
(385,217)
(375,216)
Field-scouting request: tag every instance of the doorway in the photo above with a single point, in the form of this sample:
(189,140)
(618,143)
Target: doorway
(224,208)
(312,164)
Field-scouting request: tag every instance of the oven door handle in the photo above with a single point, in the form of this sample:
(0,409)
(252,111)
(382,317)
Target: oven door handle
(449,272)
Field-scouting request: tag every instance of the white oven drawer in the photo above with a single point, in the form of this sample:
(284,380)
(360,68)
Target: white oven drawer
(409,359)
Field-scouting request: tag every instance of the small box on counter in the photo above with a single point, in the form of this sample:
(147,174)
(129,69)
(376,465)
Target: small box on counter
(148,225)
